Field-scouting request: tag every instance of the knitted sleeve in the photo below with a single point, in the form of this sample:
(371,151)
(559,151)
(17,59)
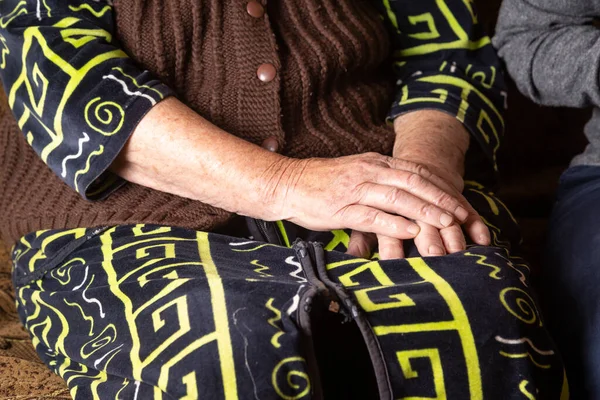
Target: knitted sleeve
(444,60)
(76,95)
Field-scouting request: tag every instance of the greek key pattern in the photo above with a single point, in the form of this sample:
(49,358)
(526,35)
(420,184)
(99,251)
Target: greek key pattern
(443,60)
(428,326)
(151,312)
(158,302)
(76,96)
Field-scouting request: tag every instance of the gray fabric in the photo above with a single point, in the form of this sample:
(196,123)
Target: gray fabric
(552,51)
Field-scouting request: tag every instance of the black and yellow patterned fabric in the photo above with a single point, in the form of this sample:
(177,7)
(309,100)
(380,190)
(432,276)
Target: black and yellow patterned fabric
(155,312)
(444,60)
(77,96)
(142,312)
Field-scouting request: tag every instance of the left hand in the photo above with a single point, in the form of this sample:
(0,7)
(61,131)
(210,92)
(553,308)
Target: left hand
(439,142)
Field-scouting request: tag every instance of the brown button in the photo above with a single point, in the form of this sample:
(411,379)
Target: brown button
(255,9)
(271,144)
(266,72)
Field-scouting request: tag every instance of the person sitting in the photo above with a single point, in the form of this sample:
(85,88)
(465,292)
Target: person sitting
(195,191)
(551,51)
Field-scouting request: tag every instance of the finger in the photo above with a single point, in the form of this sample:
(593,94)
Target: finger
(361,244)
(389,248)
(429,242)
(371,220)
(475,227)
(423,188)
(401,202)
(453,239)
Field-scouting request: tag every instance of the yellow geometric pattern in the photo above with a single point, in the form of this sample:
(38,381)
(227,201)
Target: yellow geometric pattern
(70,86)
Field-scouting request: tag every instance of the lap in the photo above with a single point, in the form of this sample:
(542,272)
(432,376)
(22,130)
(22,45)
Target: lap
(152,311)
(166,307)
(469,320)
(172,312)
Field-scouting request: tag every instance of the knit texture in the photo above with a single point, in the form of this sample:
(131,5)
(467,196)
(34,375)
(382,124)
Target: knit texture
(329,99)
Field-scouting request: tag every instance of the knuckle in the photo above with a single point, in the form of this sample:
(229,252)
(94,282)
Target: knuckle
(425,210)
(434,238)
(363,162)
(370,217)
(360,167)
(422,170)
(372,154)
(394,196)
(445,200)
(414,180)
(383,246)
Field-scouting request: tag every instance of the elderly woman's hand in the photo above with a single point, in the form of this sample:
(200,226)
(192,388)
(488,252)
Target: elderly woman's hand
(366,192)
(438,142)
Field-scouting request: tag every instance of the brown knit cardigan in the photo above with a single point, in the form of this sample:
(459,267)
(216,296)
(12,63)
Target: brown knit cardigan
(329,98)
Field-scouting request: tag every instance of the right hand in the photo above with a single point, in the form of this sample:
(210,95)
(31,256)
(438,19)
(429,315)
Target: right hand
(366,192)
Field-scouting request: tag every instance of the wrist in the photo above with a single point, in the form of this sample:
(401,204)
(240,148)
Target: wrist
(434,139)
(433,129)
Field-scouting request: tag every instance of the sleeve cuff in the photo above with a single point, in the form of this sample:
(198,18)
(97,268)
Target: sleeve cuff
(99,182)
(472,108)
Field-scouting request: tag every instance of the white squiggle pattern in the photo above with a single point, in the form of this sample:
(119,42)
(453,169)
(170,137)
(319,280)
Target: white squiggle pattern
(82,140)
(242,243)
(522,278)
(295,301)
(300,279)
(38,10)
(235,322)
(98,361)
(524,340)
(92,300)
(84,279)
(127,91)
(137,389)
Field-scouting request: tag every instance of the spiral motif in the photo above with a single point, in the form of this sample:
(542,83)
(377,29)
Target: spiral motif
(298,383)
(104,116)
(523,307)
(101,340)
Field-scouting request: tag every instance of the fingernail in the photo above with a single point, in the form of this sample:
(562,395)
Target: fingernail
(461,214)
(413,229)
(446,219)
(436,250)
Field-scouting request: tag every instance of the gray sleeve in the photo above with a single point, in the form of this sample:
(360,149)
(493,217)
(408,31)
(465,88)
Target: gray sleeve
(551,50)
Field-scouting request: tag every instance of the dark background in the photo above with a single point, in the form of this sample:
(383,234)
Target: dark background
(538,145)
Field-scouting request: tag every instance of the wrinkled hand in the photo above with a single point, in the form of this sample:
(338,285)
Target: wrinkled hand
(367,192)
(431,241)
(438,142)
